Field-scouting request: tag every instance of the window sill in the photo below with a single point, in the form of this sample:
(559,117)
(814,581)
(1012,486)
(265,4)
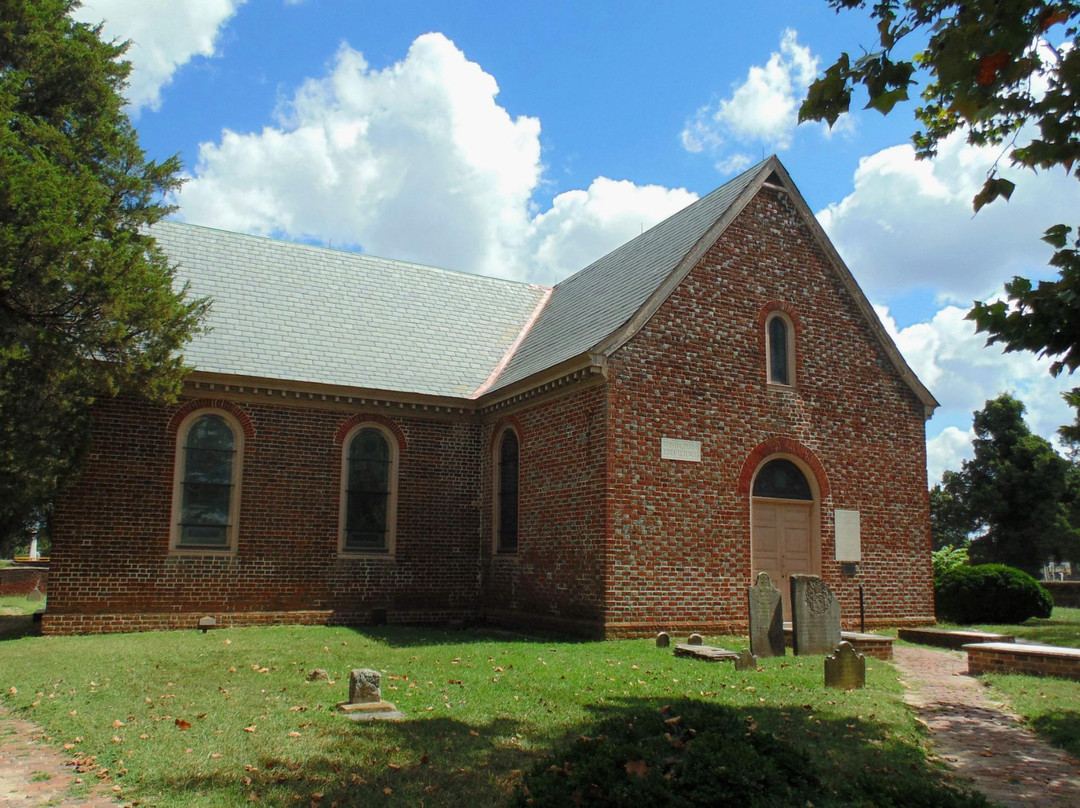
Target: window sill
(223,552)
(361,555)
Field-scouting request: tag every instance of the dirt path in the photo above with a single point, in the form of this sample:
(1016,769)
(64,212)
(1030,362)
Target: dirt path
(33,774)
(1006,762)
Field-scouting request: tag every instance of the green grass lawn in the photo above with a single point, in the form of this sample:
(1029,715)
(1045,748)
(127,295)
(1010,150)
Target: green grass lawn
(186,719)
(15,605)
(1049,706)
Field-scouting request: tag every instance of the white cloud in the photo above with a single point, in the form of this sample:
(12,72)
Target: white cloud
(963,373)
(763,108)
(416,161)
(909,222)
(165,35)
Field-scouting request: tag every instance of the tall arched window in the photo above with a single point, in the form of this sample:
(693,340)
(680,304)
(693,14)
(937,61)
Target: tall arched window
(780,349)
(206,499)
(369,496)
(506,493)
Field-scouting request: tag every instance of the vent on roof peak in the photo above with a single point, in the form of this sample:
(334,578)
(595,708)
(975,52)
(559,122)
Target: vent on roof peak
(774,179)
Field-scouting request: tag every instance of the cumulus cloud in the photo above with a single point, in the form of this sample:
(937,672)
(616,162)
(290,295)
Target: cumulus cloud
(963,373)
(763,108)
(165,35)
(417,161)
(909,222)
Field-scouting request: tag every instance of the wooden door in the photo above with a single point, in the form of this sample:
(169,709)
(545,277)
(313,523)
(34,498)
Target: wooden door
(780,542)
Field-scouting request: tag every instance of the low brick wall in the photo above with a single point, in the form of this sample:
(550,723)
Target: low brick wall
(950,638)
(1035,660)
(871,645)
(1064,593)
(21,580)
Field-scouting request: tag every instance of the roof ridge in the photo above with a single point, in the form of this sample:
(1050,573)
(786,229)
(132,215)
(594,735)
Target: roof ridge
(339,251)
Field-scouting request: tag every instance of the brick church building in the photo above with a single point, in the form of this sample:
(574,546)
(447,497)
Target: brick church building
(364,440)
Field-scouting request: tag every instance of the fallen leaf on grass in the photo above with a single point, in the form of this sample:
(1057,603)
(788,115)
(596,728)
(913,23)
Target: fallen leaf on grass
(388,791)
(294,734)
(249,729)
(637,767)
(182,724)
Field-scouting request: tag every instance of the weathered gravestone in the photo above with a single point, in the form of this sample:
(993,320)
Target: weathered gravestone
(815,616)
(846,669)
(746,661)
(766,618)
(34,594)
(663,639)
(695,639)
(365,697)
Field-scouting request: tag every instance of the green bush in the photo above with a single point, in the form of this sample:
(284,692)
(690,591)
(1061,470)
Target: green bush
(990,593)
(947,558)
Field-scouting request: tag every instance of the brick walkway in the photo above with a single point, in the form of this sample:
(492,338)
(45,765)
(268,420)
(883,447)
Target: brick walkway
(1006,762)
(32,773)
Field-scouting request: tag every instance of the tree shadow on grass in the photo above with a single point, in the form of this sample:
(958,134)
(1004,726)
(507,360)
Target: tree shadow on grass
(1061,728)
(14,627)
(427,636)
(443,761)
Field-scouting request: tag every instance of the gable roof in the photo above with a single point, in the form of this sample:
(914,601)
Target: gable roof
(299,313)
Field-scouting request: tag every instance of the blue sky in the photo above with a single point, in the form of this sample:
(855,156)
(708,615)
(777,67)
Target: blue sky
(525,139)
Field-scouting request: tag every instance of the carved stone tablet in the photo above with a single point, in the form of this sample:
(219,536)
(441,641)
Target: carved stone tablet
(766,618)
(663,639)
(364,686)
(694,639)
(846,669)
(815,616)
(746,661)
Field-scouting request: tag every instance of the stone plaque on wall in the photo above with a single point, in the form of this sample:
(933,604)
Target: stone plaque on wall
(675,449)
(766,618)
(815,616)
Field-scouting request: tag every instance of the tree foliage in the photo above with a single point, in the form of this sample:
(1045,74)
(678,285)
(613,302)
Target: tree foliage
(87,305)
(1005,73)
(1017,495)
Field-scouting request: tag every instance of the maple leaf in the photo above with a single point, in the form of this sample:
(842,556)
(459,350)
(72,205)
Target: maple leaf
(182,724)
(637,768)
(989,66)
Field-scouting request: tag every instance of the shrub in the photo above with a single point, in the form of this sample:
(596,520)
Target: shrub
(990,593)
(947,558)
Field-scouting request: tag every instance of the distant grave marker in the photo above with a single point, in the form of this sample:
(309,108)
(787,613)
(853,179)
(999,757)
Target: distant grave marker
(846,669)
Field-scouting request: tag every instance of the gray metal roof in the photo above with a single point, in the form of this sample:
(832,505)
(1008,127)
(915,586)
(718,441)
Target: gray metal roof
(592,304)
(294,312)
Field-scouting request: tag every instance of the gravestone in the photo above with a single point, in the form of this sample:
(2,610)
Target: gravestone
(694,639)
(846,669)
(663,639)
(365,697)
(746,661)
(815,616)
(34,594)
(766,618)
(365,685)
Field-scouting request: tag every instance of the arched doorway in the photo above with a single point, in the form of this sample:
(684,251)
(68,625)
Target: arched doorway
(783,520)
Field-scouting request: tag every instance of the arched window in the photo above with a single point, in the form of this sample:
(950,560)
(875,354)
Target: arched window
(206,498)
(780,349)
(782,479)
(369,495)
(506,493)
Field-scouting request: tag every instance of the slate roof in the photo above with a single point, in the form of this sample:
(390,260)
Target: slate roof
(590,305)
(300,313)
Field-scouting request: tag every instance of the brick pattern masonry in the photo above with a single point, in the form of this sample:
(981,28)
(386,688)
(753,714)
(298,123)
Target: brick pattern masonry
(614,540)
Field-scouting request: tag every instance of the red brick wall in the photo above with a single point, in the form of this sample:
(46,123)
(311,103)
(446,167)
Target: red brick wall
(22,580)
(556,577)
(680,543)
(111,545)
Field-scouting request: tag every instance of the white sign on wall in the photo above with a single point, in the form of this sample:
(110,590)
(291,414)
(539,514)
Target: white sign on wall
(848,536)
(675,449)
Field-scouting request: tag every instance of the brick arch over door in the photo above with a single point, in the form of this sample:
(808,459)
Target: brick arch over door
(782,446)
(785,533)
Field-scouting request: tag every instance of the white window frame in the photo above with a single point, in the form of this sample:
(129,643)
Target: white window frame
(179,462)
(789,326)
(392,495)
